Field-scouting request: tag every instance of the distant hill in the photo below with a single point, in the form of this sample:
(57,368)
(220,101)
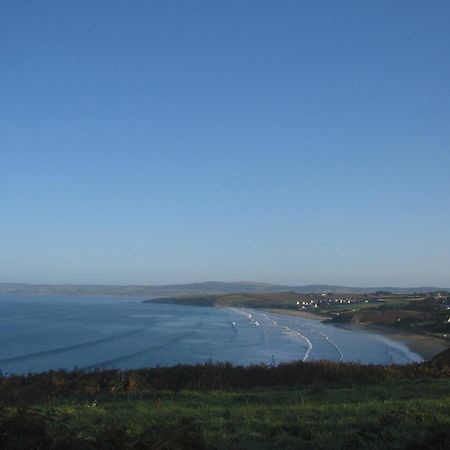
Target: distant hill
(206,288)
(248,300)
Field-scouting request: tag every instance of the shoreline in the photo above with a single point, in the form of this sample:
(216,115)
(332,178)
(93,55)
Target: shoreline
(303,314)
(425,346)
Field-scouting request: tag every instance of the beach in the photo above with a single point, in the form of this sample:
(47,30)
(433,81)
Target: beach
(425,346)
(303,314)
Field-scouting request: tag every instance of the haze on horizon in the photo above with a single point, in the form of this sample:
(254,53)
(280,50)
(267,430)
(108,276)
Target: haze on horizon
(162,142)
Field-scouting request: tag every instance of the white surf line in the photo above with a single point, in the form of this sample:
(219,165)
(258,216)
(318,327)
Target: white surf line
(310,346)
(252,321)
(385,346)
(341,357)
(396,347)
(250,318)
(239,311)
(270,319)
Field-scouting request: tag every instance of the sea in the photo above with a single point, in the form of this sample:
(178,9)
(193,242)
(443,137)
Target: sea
(39,333)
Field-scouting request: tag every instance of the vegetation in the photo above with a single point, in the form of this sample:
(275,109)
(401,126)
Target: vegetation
(206,288)
(220,406)
(249,300)
(425,315)
(16,389)
(405,415)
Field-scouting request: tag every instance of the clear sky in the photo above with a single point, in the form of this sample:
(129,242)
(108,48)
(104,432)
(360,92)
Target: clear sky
(302,141)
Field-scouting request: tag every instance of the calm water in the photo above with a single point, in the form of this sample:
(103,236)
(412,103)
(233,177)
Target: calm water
(41,333)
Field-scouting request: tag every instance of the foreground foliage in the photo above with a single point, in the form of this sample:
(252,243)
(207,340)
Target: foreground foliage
(224,376)
(401,415)
(298,405)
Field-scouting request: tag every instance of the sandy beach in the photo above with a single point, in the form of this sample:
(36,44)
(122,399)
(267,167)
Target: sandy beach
(425,346)
(303,314)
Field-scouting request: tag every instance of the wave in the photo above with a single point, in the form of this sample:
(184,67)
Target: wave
(394,348)
(70,347)
(341,355)
(113,361)
(308,342)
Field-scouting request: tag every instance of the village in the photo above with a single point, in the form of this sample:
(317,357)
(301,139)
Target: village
(327,300)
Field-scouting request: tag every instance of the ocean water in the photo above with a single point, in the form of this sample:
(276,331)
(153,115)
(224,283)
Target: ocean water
(42,333)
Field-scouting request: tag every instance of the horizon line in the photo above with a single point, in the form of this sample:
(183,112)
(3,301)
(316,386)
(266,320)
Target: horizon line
(418,286)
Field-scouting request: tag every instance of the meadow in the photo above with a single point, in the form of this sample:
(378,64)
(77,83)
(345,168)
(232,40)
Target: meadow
(297,405)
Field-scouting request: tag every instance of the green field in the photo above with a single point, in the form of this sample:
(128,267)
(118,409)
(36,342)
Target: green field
(316,417)
(337,406)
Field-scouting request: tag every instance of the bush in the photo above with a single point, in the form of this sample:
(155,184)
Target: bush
(27,429)
(33,388)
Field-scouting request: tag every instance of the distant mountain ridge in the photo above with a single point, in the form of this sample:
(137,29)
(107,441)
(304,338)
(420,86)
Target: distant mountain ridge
(204,288)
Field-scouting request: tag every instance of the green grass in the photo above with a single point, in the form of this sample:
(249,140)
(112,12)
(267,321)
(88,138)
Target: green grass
(345,307)
(367,416)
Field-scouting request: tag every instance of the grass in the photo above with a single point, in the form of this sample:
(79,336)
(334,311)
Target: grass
(388,415)
(346,308)
(390,301)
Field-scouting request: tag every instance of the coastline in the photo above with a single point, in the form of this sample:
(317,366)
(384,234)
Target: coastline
(425,346)
(303,314)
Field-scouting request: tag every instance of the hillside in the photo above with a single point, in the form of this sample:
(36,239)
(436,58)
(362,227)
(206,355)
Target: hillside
(422,314)
(219,406)
(206,288)
(254,300)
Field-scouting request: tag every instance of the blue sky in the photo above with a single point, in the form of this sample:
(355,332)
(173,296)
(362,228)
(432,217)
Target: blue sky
(177,141)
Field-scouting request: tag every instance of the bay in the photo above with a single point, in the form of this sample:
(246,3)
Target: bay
(40,333)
